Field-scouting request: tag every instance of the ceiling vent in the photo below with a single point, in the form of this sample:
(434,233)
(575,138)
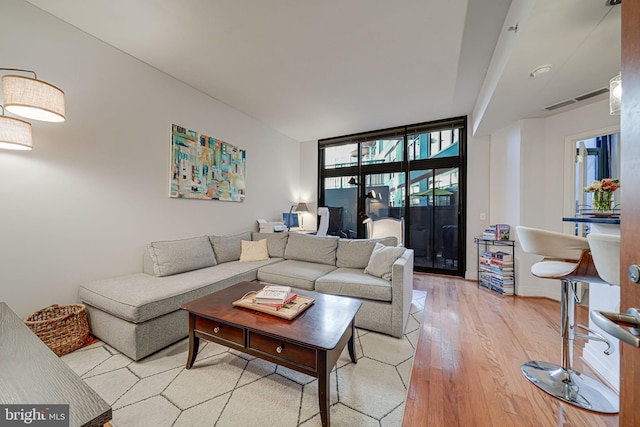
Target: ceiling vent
(577,99)
(592,94)
(560,104)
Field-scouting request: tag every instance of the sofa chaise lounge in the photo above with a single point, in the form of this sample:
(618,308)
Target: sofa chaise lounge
(139,313)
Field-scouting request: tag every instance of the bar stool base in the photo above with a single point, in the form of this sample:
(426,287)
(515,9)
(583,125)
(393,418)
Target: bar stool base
(572,387)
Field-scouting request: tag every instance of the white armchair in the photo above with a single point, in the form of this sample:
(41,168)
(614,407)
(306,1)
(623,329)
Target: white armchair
(323,225)
(385,227)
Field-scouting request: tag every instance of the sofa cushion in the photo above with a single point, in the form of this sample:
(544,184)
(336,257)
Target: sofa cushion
(355,253)
(254,251)
(382,259)
(316,249)
(297,274)
(178,256)
(139,297)
(354,282)
(276,242)
(227,248)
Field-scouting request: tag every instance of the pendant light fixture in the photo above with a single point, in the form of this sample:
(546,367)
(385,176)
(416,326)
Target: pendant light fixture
(15,134)
(615,95)
(31,98)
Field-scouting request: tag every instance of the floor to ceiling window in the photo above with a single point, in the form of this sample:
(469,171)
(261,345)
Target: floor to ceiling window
(413,172)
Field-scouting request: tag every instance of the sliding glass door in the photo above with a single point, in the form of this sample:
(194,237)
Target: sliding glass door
(338,192)
(433,218)
(413,172)
(384,195)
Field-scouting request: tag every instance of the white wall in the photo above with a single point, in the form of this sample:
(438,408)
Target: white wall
(489,160)
(538,199)
(478,170)
(309,182)
(504,175)
(94,191)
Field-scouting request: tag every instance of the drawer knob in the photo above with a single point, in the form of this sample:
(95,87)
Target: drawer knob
(279,348)
(217,329)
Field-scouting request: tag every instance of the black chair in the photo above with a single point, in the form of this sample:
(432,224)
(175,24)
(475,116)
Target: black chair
(450,243)
(335,221)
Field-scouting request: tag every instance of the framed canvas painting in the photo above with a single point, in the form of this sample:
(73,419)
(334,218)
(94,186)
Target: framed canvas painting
(203,167)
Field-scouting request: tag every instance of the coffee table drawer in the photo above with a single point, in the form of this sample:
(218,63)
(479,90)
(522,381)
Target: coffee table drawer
(220,330)
(283,350)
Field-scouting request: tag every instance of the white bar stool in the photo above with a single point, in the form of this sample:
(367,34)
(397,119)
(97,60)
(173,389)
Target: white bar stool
(566,258)
(606,256)
(605,250)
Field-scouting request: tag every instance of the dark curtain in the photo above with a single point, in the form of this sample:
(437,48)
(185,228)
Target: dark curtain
(604,143)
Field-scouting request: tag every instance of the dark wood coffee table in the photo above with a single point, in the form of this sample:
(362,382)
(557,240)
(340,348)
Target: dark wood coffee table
(311,343)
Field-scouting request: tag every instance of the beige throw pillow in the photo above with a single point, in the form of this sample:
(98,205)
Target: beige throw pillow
(382,259)
(254,251)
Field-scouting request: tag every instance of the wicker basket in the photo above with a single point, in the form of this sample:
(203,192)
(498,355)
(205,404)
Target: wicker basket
(63,328)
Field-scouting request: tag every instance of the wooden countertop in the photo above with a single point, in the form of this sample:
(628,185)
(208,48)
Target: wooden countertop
(594,219)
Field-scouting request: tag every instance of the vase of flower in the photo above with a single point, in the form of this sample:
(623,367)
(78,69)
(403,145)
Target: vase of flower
(602,201)
(603,194)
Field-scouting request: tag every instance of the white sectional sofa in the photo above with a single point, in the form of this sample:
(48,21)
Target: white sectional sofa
(140,313)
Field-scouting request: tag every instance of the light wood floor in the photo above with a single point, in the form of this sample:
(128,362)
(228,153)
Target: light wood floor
(467,366)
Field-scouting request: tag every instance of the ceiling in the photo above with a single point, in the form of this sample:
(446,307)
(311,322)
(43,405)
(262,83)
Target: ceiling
(318,69)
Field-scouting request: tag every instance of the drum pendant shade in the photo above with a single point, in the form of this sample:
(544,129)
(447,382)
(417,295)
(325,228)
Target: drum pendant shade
(15,134)
(32,98)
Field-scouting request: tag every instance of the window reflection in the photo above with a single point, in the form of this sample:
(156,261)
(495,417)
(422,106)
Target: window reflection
(382,151)
(341,156)
(433,145)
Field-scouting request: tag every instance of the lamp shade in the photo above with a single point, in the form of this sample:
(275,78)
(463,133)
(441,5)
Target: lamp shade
(302,207)
(615,95)
(15,134)
(34,99)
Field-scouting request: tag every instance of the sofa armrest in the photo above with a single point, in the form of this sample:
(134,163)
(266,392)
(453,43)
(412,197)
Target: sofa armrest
(401,291)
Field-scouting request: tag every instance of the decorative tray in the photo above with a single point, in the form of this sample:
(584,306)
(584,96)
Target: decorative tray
(288,311)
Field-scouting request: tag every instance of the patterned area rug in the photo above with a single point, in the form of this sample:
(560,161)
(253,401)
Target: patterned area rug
(229,388)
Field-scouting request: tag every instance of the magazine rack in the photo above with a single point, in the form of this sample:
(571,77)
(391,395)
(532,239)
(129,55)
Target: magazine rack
(492,276)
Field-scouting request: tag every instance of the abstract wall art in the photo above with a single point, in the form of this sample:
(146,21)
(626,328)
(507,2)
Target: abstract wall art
(207,168)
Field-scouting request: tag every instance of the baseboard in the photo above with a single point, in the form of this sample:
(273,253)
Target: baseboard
(533,291)
(594,357)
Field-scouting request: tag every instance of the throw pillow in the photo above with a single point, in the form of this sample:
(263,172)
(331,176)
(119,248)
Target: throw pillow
(310,248)
(227,248)
(382,259)
(276,242)
(254,251)
(177,256)
(355,253)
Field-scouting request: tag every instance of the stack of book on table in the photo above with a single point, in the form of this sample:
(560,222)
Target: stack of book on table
(274,297)
(489,233)
(276,300)
(496,232)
